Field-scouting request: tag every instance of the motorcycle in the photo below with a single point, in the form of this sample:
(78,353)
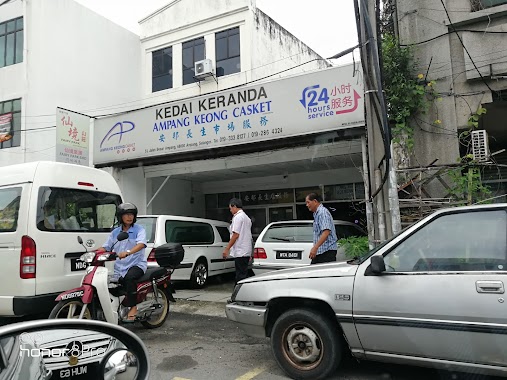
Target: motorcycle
(102,297)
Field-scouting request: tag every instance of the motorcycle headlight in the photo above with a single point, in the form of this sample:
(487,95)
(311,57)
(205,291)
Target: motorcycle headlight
(87,257)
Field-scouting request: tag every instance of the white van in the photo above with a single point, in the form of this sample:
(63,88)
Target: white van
(204,241)
(44,206)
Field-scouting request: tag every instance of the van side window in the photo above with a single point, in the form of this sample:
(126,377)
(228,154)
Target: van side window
(180,231)
(224,234)
(71,210)
(9,208)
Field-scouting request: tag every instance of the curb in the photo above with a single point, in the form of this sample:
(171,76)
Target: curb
(207,308)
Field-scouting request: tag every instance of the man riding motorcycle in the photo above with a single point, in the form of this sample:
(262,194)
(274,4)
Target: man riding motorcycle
(132,264)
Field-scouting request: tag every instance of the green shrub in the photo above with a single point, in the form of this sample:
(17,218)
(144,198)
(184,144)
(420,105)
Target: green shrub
(354,246)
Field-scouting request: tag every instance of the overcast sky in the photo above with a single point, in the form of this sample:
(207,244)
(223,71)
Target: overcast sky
(327,26)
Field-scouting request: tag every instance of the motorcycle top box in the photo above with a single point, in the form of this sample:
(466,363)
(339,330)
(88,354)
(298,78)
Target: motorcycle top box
(169,255)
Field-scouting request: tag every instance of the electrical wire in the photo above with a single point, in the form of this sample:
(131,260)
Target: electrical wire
(450,32)
(464,47)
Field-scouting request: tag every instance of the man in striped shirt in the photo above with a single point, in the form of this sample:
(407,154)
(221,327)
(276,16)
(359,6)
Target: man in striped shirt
(324,233)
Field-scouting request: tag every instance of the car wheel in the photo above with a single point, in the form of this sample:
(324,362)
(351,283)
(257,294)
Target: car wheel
(306,344)
(199,276)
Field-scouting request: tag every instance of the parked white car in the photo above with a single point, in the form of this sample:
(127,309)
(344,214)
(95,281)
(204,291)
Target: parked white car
(283,245)
(204,241)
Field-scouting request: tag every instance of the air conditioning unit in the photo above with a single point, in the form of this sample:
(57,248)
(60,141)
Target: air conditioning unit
(480,146)
(203,68)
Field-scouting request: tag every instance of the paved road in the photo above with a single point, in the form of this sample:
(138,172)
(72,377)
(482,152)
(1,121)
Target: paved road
(198,342)
(191,346)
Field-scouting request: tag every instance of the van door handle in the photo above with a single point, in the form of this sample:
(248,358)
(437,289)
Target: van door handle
(495,287)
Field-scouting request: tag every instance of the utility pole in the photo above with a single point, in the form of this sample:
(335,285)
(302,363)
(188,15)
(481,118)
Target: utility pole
(382,176)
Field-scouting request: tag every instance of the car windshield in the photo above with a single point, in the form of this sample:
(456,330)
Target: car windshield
(149,224)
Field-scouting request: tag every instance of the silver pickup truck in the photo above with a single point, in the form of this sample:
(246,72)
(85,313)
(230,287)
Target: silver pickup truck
(431,296)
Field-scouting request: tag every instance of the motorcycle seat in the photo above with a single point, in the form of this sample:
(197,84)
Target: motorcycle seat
(152,273)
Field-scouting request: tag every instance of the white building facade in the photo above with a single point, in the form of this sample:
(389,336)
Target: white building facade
(245,48)
(77,60)
(58,54)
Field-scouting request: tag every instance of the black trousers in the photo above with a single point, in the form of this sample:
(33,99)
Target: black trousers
(129,283)
(241,264)
(325,257)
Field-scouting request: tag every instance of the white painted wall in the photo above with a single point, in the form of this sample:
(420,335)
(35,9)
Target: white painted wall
(133,187)
(266,48)
(177,197)
(308,179)
(74,59)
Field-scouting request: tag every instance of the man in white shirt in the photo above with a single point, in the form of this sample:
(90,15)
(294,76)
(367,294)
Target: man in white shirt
(240,245)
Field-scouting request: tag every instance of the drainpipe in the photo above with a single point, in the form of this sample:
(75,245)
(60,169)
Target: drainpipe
(380,207)
(369,206)
(394,202)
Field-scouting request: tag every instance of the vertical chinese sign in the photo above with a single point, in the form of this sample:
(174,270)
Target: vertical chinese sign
(72,135)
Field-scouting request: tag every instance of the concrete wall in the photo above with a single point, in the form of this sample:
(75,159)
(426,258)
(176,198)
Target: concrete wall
(275,49)
(74,59)
(457,80)
(266,48)
(177,197)
(308,179)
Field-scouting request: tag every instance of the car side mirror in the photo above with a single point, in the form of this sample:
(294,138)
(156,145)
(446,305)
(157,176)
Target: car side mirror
(378,266)
(71,347)
(122,236)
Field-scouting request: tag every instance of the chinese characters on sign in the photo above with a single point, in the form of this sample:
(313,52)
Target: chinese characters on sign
(262,197)
(316,102)
(72,132)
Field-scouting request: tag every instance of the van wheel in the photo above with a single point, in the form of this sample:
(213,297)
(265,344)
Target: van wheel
(199,276)
(306,345)
(70,309)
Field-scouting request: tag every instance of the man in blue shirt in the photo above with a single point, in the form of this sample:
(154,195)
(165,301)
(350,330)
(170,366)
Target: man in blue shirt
(131,262)
(324,232)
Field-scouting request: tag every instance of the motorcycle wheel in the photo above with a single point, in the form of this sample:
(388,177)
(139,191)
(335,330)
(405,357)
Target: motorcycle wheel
(70,309)
(158,316)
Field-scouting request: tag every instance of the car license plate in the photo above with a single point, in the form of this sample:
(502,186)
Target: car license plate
(295,255)
(77,265)
(75,372)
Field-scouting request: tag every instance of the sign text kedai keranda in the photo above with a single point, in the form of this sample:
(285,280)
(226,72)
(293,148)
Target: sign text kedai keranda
(212,109)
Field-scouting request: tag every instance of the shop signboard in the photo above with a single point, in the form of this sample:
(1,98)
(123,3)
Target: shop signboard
(72,137)
(315,102)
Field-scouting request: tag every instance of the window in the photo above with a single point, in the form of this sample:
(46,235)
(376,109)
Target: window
(228,52)
(9,208)
(183,232)
(11,42)
(193,51)
(70,210)
(280,233)
(10,123)
(473,241)
(478,5)
(162,69)
(149,225)
(224,234)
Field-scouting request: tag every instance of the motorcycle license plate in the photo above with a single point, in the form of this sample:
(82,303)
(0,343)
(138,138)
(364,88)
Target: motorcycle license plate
(77,265)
